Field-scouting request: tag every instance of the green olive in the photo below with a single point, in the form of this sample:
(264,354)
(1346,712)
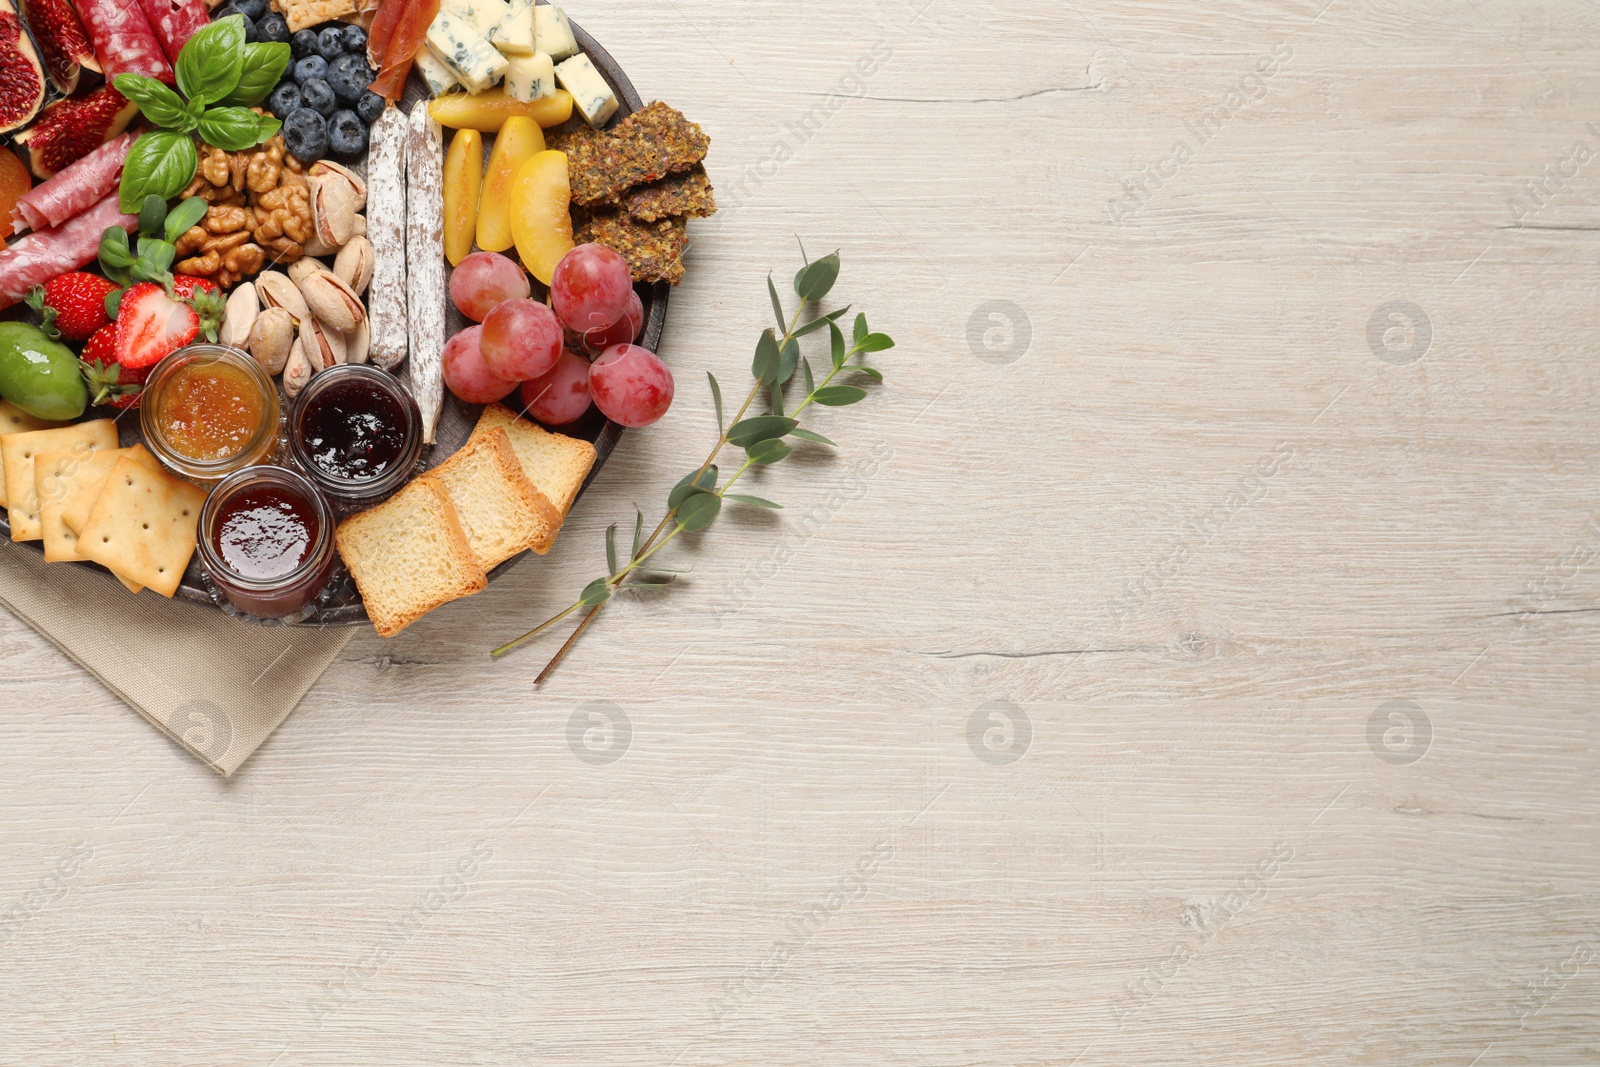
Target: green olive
(39,375)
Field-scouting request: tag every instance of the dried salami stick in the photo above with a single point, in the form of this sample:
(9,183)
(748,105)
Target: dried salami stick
(386,229)
(425,279)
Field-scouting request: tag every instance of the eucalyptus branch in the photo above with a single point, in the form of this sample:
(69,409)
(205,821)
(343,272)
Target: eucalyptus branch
(696,501)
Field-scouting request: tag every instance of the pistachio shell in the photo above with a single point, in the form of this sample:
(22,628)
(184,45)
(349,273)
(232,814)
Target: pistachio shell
(328,170)
(297,372)
(333,212)
(240,316)
(276,290)
(271,338)
(358,343)
(300,268)
(354,264)
(332,301)
(323,347)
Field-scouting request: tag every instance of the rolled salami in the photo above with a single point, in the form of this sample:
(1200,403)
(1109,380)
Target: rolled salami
(38,257)
(124,40)
(73,191)
(175,21)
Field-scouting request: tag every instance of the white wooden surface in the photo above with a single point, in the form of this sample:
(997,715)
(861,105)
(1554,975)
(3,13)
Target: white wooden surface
(1200,857)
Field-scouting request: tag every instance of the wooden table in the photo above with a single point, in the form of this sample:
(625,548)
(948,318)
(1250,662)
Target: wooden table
(1188,656)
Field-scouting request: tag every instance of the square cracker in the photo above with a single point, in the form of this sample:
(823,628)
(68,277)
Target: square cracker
(14,420)
(64,478)
(499,508)
(18,451)
(85,489)
(144,526)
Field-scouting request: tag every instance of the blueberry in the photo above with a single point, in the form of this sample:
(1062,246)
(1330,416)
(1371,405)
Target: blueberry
(347,134)
(305,133)
(330,42)
(318,96)
(304,43)
(355,40)
(284,99)
(369,107)
(311,67)
(250,32)
(254,10)
(223,10)
(271,27)
(349,76)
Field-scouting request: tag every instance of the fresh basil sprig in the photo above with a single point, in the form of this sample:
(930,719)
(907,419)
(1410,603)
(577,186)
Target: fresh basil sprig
(696,501)
(215,66)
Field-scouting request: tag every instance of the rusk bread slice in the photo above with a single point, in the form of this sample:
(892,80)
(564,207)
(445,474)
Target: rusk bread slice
(409,555)
(555,463)
(500,510)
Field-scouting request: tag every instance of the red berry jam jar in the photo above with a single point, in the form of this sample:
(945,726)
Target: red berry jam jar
(266,541)
(357,432)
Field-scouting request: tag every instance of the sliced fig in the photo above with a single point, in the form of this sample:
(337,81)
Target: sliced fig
(70,129)
(63,44)
(21,73)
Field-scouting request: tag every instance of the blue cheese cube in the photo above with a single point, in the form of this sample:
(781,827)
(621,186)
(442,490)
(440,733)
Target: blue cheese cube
(474,62)
(435,73)
(515,35)
(551,33)
(484,16)
(530,77)
(590,94)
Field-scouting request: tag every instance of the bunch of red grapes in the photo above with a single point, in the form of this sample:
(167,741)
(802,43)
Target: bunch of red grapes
(522,342)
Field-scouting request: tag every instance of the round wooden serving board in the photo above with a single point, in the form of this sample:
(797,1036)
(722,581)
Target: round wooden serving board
(341,603)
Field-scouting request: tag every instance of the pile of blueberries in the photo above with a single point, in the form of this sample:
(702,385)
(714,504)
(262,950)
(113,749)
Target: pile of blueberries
(323,98)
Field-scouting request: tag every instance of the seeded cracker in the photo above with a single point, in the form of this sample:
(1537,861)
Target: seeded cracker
(644,147)
(654,250)
(687,194)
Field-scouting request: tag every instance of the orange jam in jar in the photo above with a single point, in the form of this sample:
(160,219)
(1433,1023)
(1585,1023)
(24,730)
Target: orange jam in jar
(209,410)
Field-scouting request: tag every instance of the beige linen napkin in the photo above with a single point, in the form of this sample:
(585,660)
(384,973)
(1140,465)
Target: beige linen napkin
(215,685)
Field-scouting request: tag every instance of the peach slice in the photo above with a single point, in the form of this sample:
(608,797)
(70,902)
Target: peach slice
(540,220)
(514,145)
(488,111)
(463,179)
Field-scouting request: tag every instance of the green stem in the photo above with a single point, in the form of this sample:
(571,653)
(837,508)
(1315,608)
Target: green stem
(535,632)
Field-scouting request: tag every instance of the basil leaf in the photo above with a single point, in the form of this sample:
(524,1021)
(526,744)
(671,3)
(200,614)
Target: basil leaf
(161,163)
(699,511)
(236,128)
(180,219)
(747,432)
(158,103)
(765,452)
(838,396)
(210,63)
(264,64)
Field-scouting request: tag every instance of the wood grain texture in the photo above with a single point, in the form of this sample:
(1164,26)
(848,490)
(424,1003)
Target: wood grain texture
(1196,536)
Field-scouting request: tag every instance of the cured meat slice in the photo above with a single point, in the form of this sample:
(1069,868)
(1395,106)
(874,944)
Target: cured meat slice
(73,191)
(175,21)
(38,257)
(124,40)
(404,38)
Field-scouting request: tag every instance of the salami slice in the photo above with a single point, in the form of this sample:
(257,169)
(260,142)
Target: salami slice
(38,257)
(73,191)
(124,40)
(175,21)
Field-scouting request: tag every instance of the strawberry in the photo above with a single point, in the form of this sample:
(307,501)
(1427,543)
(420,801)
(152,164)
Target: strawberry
(73,303)
(109,381)
(152,324)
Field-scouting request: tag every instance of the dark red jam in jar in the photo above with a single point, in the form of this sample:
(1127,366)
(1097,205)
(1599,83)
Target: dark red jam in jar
(357,432)
(266,541)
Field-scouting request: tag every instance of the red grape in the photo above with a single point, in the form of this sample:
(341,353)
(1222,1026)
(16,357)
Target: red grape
(590,287)
(631,385)
(624,331)
(467,375)
(521,340)
(562,396)
(483,281)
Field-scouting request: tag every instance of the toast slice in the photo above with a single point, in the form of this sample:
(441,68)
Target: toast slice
(409,555)
(500,510)
(555,463)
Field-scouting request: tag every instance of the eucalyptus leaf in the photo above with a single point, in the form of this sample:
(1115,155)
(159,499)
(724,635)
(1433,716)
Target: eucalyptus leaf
(836,336)
(777,305)
(611,549)
(747,432)
(699,511)
(788,359)
(805,377)
(160,162)
(263,67)
(152,216)
(596,592)
(766,452)
(861,328)
(753,501)
(638,533)
(875,342)
(156,101)
(775,404)
(765,365)
(209,65)
(180,219)
(815,280)
(649,580)
(871,372)
(838,396)
(811,435)
(696,481)
(716,397)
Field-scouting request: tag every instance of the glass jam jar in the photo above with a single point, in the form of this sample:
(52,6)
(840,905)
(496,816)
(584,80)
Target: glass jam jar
(209,410)
(266,541)
(357,432)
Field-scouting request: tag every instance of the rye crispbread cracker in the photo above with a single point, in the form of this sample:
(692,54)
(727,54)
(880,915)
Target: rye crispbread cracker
(688,194)
(654,250)
(143,526)
(648,145)
(19,451)
(499,508)
(14,420)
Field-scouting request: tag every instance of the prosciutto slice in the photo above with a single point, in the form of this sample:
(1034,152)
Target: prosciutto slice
(73,191)
(38,257)
(124,40)
(175,21)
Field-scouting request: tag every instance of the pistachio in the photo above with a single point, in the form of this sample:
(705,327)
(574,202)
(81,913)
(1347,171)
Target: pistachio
(360,226)
(332,301)
(323,347)
(333,212)
(358,343)
(316,248)
(240,316)
(297,372)
(302,267)
(328,170)
(277,291)
(271,338)
(354,264)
